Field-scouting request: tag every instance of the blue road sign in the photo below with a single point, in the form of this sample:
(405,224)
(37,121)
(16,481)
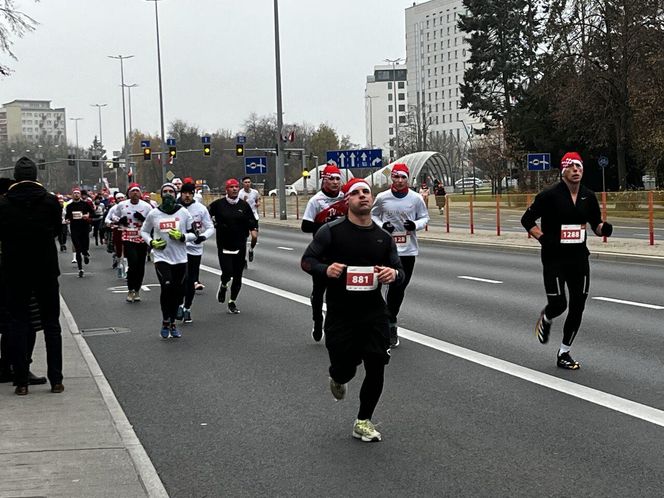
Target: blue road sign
(539,162)
(205,140)
(367,158)
(170,141)
(145,143)
(255,165)
(603,161)
(240,139)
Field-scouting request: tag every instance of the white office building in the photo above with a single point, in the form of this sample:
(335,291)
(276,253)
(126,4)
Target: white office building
(386,106)
(436,56)
(32,121)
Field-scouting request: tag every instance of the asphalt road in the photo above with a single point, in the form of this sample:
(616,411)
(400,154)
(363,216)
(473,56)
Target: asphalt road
(240,405)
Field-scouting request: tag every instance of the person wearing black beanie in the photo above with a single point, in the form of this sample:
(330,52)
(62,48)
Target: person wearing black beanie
(25,170)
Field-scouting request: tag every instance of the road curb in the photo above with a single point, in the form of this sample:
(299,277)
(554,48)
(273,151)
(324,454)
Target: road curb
(146,471)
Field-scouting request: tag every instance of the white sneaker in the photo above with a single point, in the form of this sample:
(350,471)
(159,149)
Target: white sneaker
(366,431)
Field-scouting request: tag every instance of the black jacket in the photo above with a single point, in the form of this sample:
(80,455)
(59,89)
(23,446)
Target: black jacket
(30,219)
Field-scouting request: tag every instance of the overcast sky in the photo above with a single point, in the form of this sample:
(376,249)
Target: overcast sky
(217,61)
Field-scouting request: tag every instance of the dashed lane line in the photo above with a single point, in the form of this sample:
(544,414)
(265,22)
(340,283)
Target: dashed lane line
(478,279)
(630,303)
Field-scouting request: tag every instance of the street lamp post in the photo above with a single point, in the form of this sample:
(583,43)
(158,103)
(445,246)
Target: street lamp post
(371,97)
(129,87)
(101,141)
(121,58)
(280,169)
(78,163)
(161,95)
(394,63)
(470,142)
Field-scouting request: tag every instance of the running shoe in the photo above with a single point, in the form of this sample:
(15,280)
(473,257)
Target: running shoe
(187,316)
(542,329)
(137,296)
(175,333)
(366,431)
(232,308)
(73,261)
(179,314)
(130,296)
(115,263)
(394,336)
(221,292)
(338,390)
(165,330)
(81,273)
(199,286)
(86,259)
(317,331)
(251,256)
(566,361)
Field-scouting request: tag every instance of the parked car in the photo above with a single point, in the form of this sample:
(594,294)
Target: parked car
(468,182)
(290,190)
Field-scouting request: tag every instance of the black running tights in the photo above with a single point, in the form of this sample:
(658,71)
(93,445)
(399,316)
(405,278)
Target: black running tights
(372,386)
(395,293)
(193,273)
(172,279)
(232,266)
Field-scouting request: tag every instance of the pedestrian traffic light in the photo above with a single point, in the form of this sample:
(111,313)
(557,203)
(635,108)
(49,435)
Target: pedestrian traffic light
(239,150)
(206,150)
(147,153)
(71,159)
(172,151)
(41,164)
(95,161)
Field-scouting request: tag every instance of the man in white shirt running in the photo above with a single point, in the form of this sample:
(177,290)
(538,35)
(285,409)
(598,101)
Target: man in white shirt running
(401,212)
(253,198)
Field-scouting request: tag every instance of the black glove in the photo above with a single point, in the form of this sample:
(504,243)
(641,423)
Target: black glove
(409,225)
(139,216)
(200,239)
(389,227)
(545,240)
(607,229)
(123,221)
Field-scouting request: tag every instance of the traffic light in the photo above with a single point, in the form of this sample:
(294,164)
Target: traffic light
(207,150)
(239,150)
(71,159)
(116,162)
(172,151)
(41,164)
(147,153)
(95,161)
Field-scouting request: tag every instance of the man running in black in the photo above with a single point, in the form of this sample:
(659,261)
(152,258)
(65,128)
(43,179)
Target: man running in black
(79,215)
(234,221)
(356,257)
(565,209)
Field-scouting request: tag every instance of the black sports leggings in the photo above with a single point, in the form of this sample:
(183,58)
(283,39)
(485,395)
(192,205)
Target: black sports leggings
(317,297)
(372,385)
(395,293)
(135,254)
(172,279)
(232,266)
(576,274)
(80,237)
(193,273)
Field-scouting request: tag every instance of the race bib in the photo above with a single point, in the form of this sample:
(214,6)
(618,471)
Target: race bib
(131,233)
(77,215)
(361,278)
(401,239)
(572,234)
(167,224)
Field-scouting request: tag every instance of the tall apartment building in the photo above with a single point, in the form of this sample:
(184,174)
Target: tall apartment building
(436,60)
(386,106)
(33,121)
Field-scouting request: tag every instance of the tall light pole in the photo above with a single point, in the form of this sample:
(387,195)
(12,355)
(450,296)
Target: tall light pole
(371,97)
(101,141)
(470,142)
(394,63)
(129,87)
(121,58)
(280,119)
(78,164)
(161,95)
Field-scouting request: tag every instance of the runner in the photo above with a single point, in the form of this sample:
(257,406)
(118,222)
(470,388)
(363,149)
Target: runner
(129,215)
(401,212)
(356,257)
(564,210)
(79,214)
(116,236)
(326,205)
(234,222)
(253,198)
(62,235)
(167,229)
(203,228)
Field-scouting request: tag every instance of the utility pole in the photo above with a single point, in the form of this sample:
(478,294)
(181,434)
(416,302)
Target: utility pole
(280,170)
(101,141)
(121,58)
(370,97)
(78,163)
(394,63)
(162,157)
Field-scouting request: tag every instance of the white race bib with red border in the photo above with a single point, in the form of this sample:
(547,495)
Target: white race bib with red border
(572,234)
(361,278)
(401,239)
(77,215)
(166,224)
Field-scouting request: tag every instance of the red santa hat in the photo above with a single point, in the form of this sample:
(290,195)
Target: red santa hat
(354,184)
(331,171)
(188,180)
(76,189)
(571,158)
(400,169)
(133,186)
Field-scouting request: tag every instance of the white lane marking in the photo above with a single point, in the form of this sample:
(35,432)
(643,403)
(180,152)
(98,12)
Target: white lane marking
(285,248)
(477,279)
(601,398)
(630,303)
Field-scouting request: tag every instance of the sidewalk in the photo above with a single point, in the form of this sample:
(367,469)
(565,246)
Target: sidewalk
(75,444)
(618,248)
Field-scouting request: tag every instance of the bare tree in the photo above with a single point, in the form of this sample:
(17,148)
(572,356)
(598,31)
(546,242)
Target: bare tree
(13,23)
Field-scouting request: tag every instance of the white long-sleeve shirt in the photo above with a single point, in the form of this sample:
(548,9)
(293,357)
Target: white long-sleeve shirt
(202,225)
(158,224)
(131,232)
(388,207)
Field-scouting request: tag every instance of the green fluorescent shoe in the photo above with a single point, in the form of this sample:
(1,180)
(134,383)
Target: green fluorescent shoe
(365,430)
